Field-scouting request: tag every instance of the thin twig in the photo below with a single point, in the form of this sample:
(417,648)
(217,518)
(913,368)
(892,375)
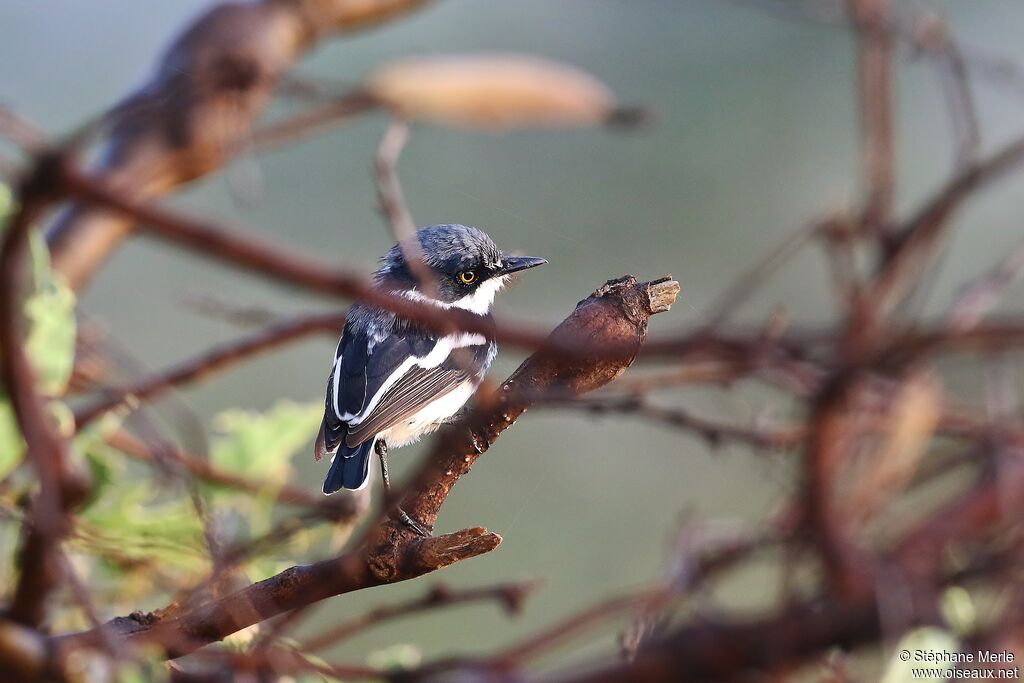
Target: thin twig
(389,189)
(211,361)
(21,131)
(979,296)
(745,286)
(508,595)
(344,109)
(875,87)
(339,507)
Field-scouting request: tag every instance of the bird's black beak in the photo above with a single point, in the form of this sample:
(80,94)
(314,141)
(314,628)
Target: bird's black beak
(513,264)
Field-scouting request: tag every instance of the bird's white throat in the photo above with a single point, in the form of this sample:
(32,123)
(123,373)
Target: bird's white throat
(478,302)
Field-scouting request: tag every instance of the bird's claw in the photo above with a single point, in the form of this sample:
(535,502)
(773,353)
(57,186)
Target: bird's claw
(476,443)
(417,528)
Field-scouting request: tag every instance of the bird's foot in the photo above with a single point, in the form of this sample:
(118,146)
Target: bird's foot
(419,529)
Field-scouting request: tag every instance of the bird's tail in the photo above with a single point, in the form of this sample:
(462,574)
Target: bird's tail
(350,467)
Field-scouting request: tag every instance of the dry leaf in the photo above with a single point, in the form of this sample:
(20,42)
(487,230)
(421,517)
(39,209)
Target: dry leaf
(492,91)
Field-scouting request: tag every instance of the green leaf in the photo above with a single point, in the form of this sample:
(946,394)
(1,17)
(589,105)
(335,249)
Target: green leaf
(137,526)
(400,657)
(11,443)
(105,467)
(6,201)
(260,445)
(148,668)
(50,311)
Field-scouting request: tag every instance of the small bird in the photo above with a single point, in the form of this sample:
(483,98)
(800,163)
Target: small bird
(392,380)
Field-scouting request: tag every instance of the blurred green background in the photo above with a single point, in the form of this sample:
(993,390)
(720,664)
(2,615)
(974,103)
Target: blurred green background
(755,133)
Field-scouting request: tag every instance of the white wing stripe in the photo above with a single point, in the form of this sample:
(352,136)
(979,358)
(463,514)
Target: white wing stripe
(437,355)
(335,382)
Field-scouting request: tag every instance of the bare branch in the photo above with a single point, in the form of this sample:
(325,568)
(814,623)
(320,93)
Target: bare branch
(508,595)
(874,75)
(980,295)
(616,315)
(389,189)
(338,111)
(712,431)
(744,286)
(214,360)
(915,242)
(293,588)
(21,131)
(341,508)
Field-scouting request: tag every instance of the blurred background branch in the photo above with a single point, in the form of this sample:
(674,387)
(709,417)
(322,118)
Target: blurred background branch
(892,425)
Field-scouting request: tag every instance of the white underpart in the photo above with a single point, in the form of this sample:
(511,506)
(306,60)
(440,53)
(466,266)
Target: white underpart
(427,420)
(478,302)
(442,349)
(429,417)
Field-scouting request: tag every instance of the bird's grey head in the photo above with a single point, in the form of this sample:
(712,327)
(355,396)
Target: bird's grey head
(467,269)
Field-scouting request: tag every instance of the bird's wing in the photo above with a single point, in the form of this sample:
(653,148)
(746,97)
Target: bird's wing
(416,388)
(416,381)
(332,427)
(376,383)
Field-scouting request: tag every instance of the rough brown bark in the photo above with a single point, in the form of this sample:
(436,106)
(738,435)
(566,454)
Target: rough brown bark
(613,317)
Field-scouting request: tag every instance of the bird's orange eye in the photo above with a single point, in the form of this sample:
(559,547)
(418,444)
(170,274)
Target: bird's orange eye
(467,277)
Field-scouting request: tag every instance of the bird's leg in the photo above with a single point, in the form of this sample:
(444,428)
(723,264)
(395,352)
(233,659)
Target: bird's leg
(382,452)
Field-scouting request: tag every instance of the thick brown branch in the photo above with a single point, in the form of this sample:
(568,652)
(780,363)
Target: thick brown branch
(181,632)
(199,108)
(615,315)
(719,651)
(831,438)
